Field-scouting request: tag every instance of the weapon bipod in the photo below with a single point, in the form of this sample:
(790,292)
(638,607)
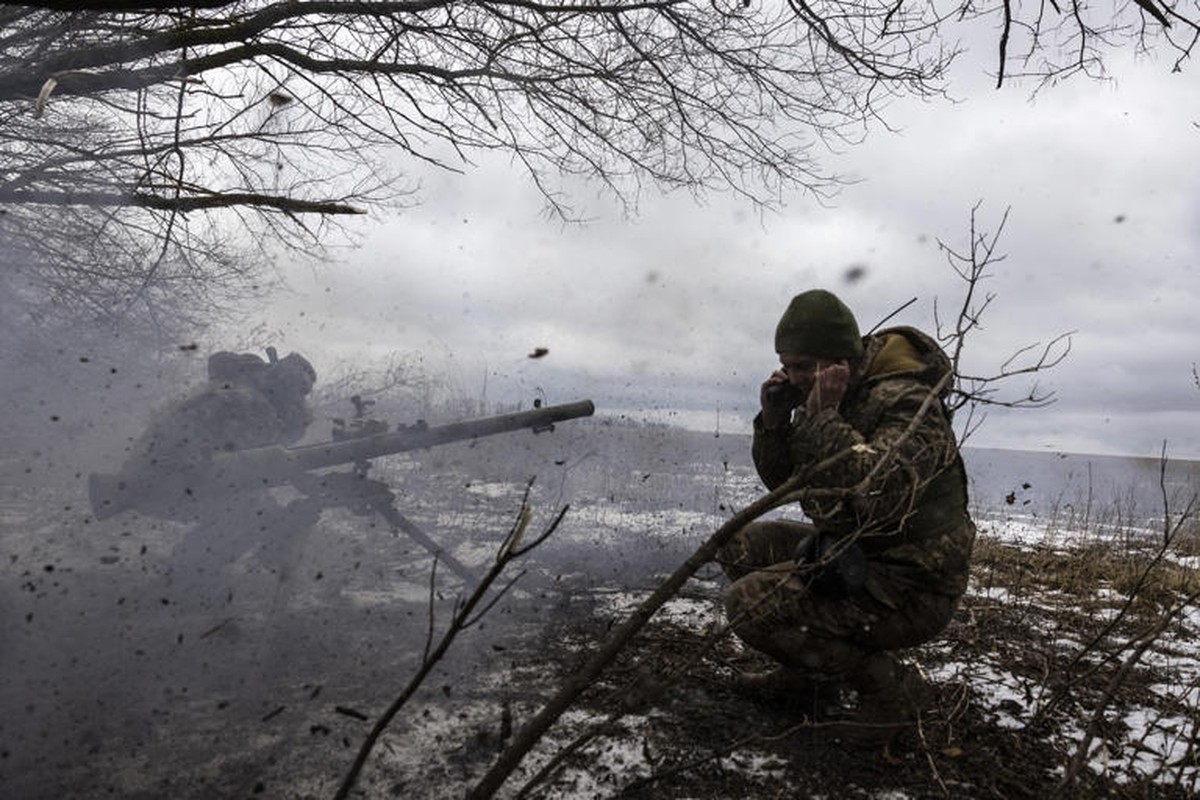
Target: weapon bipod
(365,496)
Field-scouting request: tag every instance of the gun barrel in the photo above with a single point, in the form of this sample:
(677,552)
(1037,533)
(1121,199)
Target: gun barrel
(264,467)
(328,454)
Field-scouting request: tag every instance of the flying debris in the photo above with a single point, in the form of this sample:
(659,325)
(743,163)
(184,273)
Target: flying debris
(855,273)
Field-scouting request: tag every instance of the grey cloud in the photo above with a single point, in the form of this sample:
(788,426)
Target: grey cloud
(676,307)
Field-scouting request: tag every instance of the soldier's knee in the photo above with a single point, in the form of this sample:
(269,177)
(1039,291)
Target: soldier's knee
(767,596)
(758,531)
(754,546)
(735,548)
(737,597)
(746,600)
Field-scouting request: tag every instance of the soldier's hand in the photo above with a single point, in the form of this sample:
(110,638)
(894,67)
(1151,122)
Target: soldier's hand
(778,397)
(829,387)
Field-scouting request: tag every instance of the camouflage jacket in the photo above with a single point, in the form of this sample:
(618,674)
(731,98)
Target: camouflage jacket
(220,416)
(912,515)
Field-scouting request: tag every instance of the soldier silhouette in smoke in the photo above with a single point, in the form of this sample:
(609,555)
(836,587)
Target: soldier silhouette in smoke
(246,402)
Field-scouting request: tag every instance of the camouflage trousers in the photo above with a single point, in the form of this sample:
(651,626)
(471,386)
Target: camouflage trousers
(771,607)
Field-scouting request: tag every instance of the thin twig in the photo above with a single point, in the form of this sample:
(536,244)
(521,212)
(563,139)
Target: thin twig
(463,612)
(720,752)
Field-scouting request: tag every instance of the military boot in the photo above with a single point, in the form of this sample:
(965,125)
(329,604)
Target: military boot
(890,697)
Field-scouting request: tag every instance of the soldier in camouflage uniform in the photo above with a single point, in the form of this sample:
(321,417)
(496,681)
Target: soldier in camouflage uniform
(246,402)
(884,560)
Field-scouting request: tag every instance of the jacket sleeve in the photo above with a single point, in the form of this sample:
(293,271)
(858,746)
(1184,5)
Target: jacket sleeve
(771,453)
(913,459)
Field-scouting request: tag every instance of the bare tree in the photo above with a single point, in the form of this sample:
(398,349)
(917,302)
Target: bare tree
(206,108)
(143,130)
(157,139)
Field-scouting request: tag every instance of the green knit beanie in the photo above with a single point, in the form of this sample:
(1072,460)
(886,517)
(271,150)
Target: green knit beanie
(818,324)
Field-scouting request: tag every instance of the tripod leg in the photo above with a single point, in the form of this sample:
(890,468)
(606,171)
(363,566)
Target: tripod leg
(399,522)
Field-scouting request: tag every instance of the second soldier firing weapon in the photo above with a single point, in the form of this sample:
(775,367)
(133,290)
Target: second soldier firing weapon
(266,467)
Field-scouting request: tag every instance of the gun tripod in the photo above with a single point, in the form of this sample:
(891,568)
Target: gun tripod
(365,496)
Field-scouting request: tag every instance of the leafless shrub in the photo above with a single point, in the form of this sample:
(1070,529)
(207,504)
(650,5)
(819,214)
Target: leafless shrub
(976,392)
(469,609)
(1145,593)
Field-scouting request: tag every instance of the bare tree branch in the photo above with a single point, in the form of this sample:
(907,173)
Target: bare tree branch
(183,204)
(268,111)
(978,392)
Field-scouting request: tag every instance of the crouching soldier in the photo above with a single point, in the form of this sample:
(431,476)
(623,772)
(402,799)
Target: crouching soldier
(884,560)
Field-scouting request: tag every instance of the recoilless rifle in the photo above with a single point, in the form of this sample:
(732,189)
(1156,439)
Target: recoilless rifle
(260,468)
(173,493)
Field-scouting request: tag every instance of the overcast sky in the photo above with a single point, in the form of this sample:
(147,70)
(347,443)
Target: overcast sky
(672,313)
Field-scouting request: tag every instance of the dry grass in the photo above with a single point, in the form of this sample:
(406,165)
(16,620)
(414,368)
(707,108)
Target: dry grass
(1187,540)
(1097,628)
(1093,574)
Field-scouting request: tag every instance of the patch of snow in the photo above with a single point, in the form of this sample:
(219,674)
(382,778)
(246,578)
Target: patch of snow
(667,523)
(606,757)
(1005,695)
(692,614)
(493,490)
(1000,594)
(1153,742)
(400,592)
(755,765)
